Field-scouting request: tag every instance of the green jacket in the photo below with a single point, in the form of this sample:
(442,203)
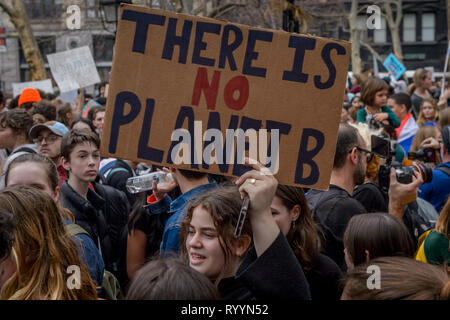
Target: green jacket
(392,118)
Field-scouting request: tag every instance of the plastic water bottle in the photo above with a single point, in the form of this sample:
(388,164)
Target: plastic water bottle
(144,182)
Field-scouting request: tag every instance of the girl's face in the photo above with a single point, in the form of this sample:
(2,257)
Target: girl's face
(7,137)
(84,162)
(380,98)
(427,82)
(203,244)
(355,101)
(31,174)
(428,111)
(282,215)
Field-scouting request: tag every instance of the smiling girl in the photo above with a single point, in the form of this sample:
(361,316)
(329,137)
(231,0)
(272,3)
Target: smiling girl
(259,263)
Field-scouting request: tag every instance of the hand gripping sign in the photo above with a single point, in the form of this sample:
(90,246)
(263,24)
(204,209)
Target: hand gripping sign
(202,94)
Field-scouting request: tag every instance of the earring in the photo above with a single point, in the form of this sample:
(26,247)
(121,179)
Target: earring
(293,224)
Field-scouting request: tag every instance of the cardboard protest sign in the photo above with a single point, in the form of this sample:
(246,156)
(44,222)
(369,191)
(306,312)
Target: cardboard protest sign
(44,85)
(73,69)
(394,66)
(189,91)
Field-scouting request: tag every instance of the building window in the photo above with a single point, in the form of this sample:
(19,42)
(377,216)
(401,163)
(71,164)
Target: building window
(46,44)
(379,35)
(43,9)
(103,47)
(409,28)
(361,27)
(91,8)
(428,26)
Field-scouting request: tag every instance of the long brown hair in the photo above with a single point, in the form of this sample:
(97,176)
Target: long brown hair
(43,250)
(401,278)
(381,234)
(442,223)
(421,119)
(224,204)
(419,76)
(303,236)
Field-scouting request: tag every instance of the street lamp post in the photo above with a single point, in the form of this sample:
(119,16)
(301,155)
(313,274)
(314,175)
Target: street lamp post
(109,10)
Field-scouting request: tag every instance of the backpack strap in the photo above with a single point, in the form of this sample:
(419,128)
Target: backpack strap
(23,149)
(446,170)
(74,229)
(106,167)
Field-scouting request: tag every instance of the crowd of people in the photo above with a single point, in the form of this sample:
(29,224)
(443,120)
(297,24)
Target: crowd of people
(63,208)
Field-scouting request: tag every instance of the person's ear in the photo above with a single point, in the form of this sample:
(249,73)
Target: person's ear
(354,156)
(56,194)
(367,255)
(294,213)
(65,164)
(242,244)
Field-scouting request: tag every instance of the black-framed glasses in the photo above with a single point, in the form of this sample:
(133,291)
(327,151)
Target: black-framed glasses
(369,154)
(50,139)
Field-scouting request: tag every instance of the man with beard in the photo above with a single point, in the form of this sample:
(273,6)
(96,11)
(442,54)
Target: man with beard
(333,209)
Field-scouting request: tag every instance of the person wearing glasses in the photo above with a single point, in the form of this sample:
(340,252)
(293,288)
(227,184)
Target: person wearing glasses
(333,209)
(48,138)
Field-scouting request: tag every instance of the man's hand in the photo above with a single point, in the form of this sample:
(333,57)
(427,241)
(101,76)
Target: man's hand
(401,194)
(160,192)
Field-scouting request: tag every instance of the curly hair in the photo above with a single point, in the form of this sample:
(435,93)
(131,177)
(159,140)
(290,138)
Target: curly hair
(18,120)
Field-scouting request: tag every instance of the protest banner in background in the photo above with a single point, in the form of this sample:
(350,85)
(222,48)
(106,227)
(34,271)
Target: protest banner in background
(73,69)
(182,86)
(394,66)
(44,85)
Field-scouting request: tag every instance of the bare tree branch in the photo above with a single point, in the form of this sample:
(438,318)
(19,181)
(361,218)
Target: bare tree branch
(223,9)
(372,51)
(8,9)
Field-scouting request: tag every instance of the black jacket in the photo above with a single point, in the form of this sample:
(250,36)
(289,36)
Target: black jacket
(275,275)
(103,215)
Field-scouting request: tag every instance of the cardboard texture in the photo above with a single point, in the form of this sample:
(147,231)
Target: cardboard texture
(175,71)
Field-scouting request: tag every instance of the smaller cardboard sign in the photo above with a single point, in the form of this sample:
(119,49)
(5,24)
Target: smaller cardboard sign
(394,66)
(44,85)
(73,69)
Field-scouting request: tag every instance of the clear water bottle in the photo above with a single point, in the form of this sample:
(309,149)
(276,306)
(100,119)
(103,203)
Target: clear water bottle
(144,182)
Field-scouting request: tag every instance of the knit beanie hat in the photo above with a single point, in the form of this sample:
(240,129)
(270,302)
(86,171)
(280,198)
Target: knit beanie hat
(29,95)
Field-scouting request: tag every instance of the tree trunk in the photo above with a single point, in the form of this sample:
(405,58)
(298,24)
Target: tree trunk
(354,38)
(19,18)
(394,26)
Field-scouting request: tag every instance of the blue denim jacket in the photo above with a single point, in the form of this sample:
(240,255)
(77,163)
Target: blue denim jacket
(176,211)
(90,255)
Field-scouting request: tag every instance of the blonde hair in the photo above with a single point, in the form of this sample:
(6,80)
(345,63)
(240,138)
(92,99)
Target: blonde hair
(421,119)
(443,219)
(43,250)
(420,75)
(422,134)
